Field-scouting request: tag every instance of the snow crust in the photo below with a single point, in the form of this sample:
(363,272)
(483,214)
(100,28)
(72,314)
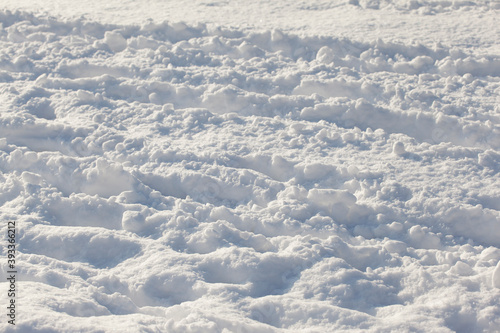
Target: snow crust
(192,177)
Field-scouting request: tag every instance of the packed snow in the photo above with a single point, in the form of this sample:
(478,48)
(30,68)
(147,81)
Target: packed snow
(326,166)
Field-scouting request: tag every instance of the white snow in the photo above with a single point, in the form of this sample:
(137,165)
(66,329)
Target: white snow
(215,166)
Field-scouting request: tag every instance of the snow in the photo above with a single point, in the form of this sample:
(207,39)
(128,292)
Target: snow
(265,167)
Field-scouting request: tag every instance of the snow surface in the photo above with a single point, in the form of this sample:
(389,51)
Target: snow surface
(270,167)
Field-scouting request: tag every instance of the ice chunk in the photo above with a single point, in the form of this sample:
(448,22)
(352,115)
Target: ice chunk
(496,276)
(461,268)
(394,246)
(325,55)
(115,41)
(398,148)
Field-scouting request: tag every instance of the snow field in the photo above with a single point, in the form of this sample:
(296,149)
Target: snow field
(189,178)
(470,24)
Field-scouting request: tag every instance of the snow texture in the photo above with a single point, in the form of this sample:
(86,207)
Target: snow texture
(208,176)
